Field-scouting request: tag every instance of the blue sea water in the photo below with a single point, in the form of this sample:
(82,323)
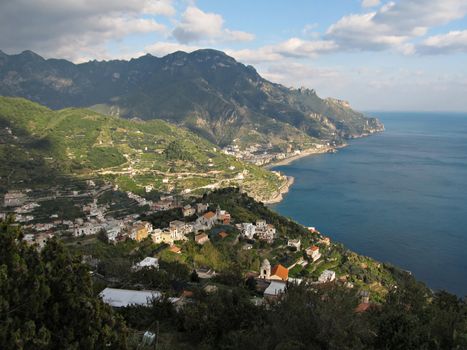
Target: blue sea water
(399,196)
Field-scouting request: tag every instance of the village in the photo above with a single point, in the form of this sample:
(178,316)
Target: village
(264,154)
(198,223)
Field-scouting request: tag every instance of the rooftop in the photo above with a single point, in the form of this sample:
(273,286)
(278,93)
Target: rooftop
(280,271)
(125,297)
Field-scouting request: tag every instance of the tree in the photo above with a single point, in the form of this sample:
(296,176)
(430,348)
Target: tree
(46,299)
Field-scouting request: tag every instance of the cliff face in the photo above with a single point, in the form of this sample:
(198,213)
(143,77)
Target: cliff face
(206,91)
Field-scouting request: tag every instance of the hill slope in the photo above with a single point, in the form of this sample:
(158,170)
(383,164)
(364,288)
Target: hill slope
(37,143)
(206,90)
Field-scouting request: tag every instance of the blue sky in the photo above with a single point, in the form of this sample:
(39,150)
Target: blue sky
(377,54)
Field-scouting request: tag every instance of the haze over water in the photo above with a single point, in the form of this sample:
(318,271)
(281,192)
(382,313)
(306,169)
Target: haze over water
(399,196)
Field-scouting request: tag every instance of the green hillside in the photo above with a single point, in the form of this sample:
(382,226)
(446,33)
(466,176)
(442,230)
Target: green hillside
(38,144)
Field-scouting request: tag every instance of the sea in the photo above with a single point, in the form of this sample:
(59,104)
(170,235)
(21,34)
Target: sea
(399,196)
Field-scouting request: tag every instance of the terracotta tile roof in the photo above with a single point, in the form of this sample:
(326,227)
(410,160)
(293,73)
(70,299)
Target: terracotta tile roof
(201,237)
(362,307)
(209,215)
(175,249)
(223,234)
(314,248)
(280,271)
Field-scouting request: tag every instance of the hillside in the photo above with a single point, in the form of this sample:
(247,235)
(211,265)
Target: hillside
(207,91)
(401,313)
(38,145)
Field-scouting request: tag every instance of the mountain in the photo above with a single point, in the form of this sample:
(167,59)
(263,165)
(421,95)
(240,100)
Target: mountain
(206,91)
(39,146)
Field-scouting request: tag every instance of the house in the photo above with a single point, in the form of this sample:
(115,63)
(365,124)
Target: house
(325,240)
(294,243)
(113,228)
(176,250)
(364,301)
(223,216)
(207,220)
(42,238)
(201,208)
(147,262)
(178,229)
(188,210)
(327,276)
(87,229)
(313,253)
(156,235)
(125,297)
(140,230)
(163,205)
(201,238)
(248,230)
(279,272)
(264,231)
(275,289)
(14,199)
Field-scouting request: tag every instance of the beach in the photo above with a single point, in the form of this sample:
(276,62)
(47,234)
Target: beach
(303,154)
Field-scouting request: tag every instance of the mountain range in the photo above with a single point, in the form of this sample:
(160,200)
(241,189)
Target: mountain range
(205,91)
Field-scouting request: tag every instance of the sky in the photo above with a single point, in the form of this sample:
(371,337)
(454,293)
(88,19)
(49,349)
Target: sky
(378,55)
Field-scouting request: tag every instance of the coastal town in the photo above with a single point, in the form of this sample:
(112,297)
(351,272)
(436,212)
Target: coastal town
(296,259)
(267,154)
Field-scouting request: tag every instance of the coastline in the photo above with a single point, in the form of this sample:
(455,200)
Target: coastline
(282,191)
(290,179)
(303,154)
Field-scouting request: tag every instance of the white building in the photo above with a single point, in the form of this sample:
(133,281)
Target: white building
(188,210)
(275,289)
(313,253)
(88,228)
(147,262)
(178,229)
(327,276)
(295,243)
(249,230)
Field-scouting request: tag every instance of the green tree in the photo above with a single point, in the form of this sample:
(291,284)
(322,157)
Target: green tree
(47,301)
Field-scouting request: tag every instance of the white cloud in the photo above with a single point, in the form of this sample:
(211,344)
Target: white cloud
(370,3)
(76,29)
(199,26)
(454,41)
(291,48)
(159,7)
(394,24)
(164,48)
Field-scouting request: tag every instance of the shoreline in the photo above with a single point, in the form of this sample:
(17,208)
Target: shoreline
(282,191)
(303,154)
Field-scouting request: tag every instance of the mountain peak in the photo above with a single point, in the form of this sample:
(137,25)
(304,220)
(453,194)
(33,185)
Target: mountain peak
(31,55)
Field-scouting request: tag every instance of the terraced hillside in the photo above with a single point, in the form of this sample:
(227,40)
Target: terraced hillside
(38,144)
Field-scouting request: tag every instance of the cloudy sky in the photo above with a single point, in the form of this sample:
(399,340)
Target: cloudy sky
(378,54)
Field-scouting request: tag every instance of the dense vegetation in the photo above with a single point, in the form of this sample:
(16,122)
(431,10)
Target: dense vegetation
(38,145)
(207,91)
(47,300)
